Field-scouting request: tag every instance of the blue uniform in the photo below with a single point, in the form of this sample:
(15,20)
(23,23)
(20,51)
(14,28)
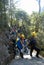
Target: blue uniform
(19,45)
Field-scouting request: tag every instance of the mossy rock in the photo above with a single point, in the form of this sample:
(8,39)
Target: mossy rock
(42,53)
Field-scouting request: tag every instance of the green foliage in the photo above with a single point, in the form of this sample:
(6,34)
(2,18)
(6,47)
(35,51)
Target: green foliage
(21,15)
(3,15)
(42,53)
(34,22)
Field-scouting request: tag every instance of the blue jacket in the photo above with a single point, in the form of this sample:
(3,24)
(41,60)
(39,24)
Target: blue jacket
(19,45)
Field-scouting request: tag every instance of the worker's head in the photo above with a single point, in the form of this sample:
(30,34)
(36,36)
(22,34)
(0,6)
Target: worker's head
(34,34)
(22,36)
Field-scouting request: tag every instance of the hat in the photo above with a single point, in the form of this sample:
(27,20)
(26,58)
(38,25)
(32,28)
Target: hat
(34,33)
(22,36)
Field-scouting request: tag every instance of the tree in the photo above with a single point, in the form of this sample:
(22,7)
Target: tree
(12,10)
(3,10)
(35,21)
(22,15)
(39,3)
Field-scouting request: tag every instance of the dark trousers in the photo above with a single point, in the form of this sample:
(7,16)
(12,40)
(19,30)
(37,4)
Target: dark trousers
(36,49)
(21,54)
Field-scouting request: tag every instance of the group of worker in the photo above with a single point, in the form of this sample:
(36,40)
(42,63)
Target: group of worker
(22,43)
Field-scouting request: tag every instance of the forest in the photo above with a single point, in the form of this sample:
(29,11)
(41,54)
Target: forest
(10,16)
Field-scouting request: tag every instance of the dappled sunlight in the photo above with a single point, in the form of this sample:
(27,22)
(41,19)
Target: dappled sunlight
(21,31)
(34,53)
(27,56)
